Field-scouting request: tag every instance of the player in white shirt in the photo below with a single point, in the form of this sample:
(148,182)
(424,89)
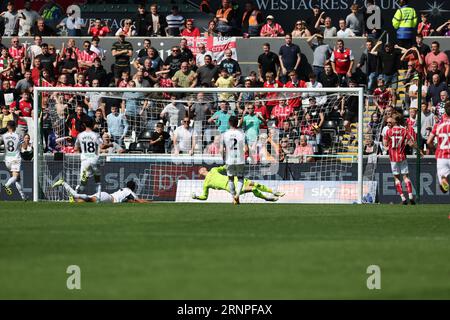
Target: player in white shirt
(234,147)
(126,194)
(13,142)
(88,143)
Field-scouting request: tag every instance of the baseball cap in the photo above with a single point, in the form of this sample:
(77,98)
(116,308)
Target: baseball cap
(270,17)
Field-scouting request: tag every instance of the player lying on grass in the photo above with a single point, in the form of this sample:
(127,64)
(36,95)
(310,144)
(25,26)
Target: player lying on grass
(216,179)
(122,195)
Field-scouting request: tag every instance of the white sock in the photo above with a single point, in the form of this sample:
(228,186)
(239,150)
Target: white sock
(240,184)
(403,197)
(69,189)
(99,191)
(19,188)
(410,195)
(231,186)
(10,181)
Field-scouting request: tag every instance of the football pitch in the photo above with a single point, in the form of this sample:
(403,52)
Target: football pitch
(218,251)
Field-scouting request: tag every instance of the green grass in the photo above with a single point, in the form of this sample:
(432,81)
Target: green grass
(211,251)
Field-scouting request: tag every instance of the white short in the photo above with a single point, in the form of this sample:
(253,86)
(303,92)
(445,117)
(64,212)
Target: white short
(443,168)
(235,170)
(104,197)
(13,165)
(90,166)
(399,167)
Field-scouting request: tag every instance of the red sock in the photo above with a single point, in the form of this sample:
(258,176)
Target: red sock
(409,186)
(398,186)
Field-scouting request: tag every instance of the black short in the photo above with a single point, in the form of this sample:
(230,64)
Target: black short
(351,117)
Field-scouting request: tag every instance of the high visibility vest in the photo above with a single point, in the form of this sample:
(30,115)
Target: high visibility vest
(221,13)
(405,21)
(253,20)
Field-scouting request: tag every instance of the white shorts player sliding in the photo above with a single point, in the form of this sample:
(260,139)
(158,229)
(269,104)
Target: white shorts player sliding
(441,131)
(122,195)
(13,161)
(234,147)
(87,144)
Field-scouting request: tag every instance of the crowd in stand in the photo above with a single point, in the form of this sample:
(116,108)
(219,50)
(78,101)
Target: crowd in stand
(284,125)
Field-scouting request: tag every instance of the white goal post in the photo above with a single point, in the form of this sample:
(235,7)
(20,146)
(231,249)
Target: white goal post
(38,91)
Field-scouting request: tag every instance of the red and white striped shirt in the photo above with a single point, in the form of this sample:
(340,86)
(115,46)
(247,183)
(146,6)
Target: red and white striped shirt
(274,30)
(442,133)
(17,53)
(396,138)
(85,56)
(272,96)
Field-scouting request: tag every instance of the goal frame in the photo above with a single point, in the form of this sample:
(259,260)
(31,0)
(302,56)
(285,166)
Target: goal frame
(358,91)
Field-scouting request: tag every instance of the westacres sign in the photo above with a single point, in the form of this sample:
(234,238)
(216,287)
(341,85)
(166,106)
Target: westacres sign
(160,179)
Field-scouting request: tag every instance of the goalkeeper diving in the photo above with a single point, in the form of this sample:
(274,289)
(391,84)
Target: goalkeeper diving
(216,179)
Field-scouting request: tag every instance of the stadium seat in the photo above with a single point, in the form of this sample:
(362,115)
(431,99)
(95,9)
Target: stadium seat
(145,136)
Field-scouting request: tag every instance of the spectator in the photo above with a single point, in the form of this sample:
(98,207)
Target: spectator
(189,29)
(350,108)
(322,53)
(139,80)
(214,148)
(72,24)
(184,138)
(245,97)
(389,63)
(174,61)
(316,20)
(271,28)
(140,21)
(304,151)
(413,92)
(311,127)
(212,29)
(284,150)
(94,100)
(173,113)
(251,123)
(128,29)
(439,108)
(100,124)
(252,20)
(295,102)
(268,61)
(6,116)
(200,110)
(290,57)
(225,17)
(186,53)
(423,48)
(117,125)
(289,132)
(175,22)
(144,51)
(17,51)
(261,109)
(86,57)
(271,97)
(98,29)
(48,60)
(344,32)
(133,102)
(221,117)
(76,122)
(156,23)
(424,28)
(435,89)
(405,22)
(159,138)
(35,49)
(97,72)
(41,29)
(369,60)
(122,51)
(200,56)
(26,84)
(444,29)
(208,73)
(27,19)
(52,13)
(437,56)
(11,20)
(329,79)
(26,148)
(185,78)
(281,112)
(329,31)
(428,120)
(383,95)
(232,66)
(342,61)
(225,81)
(108,146)
(413,56)
(434,69)
(300,30)
(68,66)
(369,145)
(7,94)
(24,109)
(355,21)
(314,84)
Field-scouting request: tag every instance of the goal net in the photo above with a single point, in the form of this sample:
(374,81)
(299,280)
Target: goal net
(298,148)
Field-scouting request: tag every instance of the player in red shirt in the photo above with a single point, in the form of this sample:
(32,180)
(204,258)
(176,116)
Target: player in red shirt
(396,139)
(442,132)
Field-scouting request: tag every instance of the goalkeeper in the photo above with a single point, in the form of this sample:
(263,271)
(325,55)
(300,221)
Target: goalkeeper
(216,179)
